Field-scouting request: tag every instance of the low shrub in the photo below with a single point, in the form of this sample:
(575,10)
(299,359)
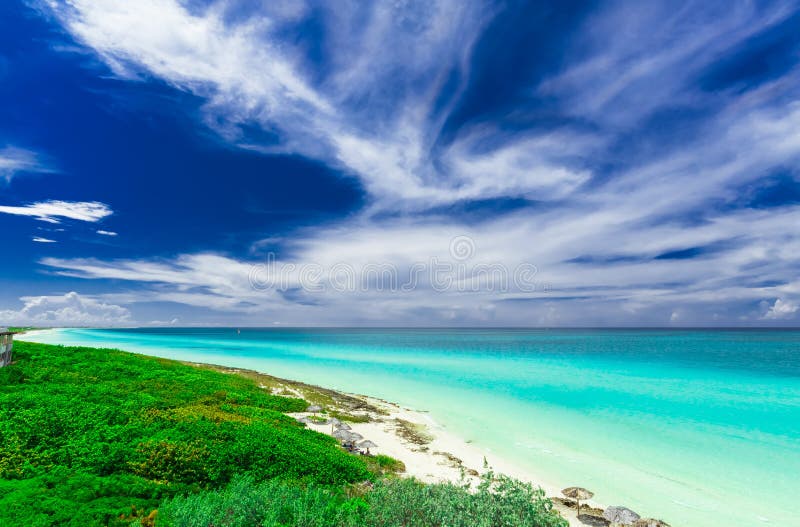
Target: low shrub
(118,430)
(497,502)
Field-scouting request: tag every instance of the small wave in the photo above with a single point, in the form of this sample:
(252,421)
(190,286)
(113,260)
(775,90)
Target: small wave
(431,420)
(688,505)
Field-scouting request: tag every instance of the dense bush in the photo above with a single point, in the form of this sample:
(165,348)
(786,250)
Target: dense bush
(101,437)
(86,434)
(392,503)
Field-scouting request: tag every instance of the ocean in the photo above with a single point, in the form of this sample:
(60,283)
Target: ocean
(698,427)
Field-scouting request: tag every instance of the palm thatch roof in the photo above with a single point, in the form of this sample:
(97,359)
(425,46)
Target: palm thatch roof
(620,515)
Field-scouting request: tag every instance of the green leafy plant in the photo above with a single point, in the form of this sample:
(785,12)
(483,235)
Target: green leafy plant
(87,433)
(497,502)
(96,437)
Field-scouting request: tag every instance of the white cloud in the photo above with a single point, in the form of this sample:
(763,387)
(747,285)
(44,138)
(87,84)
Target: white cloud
(529,167)
(247,74)
(54,210)
(781,309)
(618,77)
(14,160)
(107,233)
(161,323)
(70,309)
(43,240)
(624,282)
(597,250)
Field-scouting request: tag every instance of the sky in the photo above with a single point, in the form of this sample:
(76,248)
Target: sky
(403,163)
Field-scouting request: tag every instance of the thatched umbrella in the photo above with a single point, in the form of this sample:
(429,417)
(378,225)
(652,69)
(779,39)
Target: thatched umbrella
(343,426)
(577,494)
(342,435)
(305,420)
(650,522)
(366,445)
(334,423)
(314,408)
(354,436)
(620,515)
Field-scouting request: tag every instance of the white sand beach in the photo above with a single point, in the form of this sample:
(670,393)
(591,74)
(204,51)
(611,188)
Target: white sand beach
(429,452)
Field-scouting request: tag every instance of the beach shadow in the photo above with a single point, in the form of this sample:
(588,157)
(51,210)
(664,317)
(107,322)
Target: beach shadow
(594,521)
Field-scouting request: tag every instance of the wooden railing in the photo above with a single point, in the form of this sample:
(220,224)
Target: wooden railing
(6,345)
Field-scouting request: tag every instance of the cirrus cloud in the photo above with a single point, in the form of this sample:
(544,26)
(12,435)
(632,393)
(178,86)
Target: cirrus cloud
(14,160)
(634,178)
(54,211)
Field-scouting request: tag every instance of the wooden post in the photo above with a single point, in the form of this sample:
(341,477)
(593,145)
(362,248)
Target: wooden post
(6,345)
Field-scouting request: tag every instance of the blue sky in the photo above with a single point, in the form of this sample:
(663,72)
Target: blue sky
(224,162)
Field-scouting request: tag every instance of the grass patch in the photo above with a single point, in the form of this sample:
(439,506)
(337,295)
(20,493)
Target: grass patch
(344,404)
(382,464)
(20,329)
(353,418)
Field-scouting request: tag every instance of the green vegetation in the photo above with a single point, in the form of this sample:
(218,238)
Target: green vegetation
(353,418)
(395,502)
(335,404)
(103,437)
(20,329)
(381,464)
(87,433)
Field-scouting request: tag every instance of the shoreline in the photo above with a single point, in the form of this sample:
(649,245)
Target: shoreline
(429,452)
(442,458)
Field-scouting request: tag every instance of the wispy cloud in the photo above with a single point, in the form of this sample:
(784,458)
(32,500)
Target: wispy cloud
(249,75)
(43,240)
(635,190)
(14,160)
(106,233)
(638,285)
(54,211)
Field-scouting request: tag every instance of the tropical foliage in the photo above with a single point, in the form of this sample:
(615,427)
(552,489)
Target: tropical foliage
(103,437)
(86,434)
(500,502)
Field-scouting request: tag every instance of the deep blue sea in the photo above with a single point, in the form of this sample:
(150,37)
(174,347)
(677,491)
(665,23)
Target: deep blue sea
(700,427)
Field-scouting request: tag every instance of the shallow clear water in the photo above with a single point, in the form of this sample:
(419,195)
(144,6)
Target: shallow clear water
(700,427)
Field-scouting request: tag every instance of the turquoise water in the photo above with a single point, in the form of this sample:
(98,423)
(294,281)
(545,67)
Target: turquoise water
(701,428)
